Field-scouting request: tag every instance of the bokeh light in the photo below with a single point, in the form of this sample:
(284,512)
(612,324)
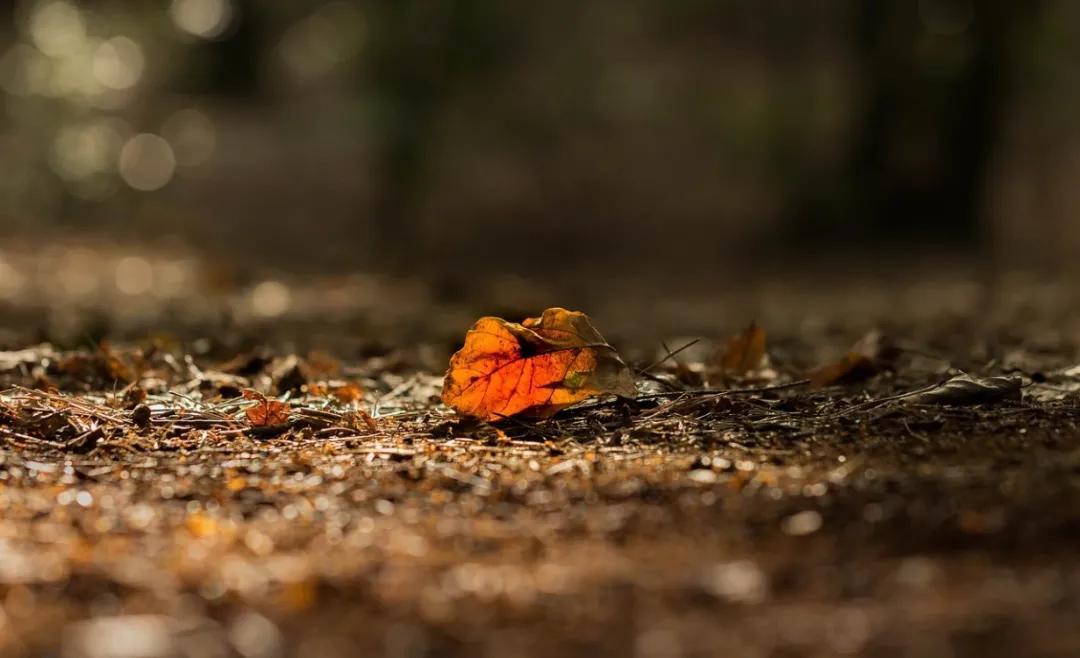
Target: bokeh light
(207,19)
(82,150)
(270,299)
(77,273)
(192,136)
(11,280)
(118,63)
(73,76)
(147,162)
(24,70)
(326,38)
(134,275)
(57,28)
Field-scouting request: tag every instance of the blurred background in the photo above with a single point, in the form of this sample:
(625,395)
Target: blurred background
(409,149)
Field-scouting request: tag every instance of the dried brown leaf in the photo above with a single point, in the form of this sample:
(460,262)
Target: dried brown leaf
(265,411)
(745,352)
(866,358)
(968,390)
(347,393)
(850,368)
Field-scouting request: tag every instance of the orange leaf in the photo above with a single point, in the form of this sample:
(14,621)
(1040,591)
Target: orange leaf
(850,368)
(347,392)
(865,359)
(534,368)
(265,411)
(744,352)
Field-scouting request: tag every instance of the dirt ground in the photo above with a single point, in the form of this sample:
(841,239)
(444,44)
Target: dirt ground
(143,513)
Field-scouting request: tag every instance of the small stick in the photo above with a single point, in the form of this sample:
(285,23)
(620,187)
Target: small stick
(32,439)
(874,404)
(726,391)
(667,356)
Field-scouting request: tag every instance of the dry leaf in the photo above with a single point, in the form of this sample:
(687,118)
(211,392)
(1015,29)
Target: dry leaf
(347,392)
(534,368)
(1057,385)
(965,390)
(103,363)
(355,419)
(265,411)
(113,366)
(745,352)
(865,359)
(322,365)
(851,367)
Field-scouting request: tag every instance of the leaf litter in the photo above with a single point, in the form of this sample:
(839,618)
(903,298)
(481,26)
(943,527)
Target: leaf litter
(282,487)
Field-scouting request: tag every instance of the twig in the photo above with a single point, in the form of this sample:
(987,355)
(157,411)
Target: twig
(674,386)
(726,391)
(32,439)
(667,356)
(878,402)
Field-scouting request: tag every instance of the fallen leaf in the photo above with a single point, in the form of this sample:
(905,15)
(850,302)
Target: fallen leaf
(851,367)
(534,368)
(360,417)
(865,359)
(103,363)
(113,366)
(322,365)
(966,390)
(347,392)
(265,411)
(744,352)
(1057,385)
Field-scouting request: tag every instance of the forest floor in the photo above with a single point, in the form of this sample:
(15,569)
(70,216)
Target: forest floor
(147,510)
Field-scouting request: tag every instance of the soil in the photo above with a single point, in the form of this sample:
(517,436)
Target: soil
(144,513)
